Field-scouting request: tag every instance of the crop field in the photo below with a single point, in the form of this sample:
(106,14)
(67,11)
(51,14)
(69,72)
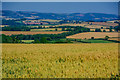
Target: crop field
(30,32)
(4,25)
(59,60)
(107,30)
(47,29)
(88,35)
(33,26)
(101,23)
(85,25)
(94,26)
(27,41)
(117,39)
(50,20)
(96,41)
(71,25)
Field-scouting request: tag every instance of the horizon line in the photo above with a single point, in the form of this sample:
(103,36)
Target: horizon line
(60,1)
(59,13)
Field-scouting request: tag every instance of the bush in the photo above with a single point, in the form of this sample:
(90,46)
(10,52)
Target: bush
(110,30)
(43,40)
(104,30)
(92,38)
(106,37)
(98,30)
(36,41)
(56,29)
(101,27)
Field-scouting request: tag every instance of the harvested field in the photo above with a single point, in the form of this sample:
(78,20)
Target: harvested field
(50,20)
(86,25)
(88,35)
(102,23)
(30,32)
(116,39)
(72,25)
(107,30)
(94,26)
(52,29)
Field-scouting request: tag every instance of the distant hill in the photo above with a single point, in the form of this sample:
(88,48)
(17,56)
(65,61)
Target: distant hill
(72,16)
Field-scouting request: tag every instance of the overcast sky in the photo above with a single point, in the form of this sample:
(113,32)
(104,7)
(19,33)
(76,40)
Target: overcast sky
(63,7)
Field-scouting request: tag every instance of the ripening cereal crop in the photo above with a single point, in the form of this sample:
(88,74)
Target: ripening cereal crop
(59,60)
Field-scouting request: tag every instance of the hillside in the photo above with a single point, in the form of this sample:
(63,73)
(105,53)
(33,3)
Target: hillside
(72,16)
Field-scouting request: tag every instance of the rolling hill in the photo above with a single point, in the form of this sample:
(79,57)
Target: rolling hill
(56,16)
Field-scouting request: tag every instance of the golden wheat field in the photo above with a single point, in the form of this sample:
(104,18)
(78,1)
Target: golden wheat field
(59,60)
(88,35)
(30,32)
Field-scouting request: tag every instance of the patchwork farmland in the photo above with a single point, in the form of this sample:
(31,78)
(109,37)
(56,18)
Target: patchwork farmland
(66,45)
(88,35)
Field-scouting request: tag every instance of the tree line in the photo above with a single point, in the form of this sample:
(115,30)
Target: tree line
(44,37)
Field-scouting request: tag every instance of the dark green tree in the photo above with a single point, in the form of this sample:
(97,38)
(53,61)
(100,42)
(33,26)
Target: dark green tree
(97,30)
(56,29)
(110,29)
(104,30)
(106,37)
(43,40)
(63,29)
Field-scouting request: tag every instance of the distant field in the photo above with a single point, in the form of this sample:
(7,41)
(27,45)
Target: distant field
(4,25)
(107,30)
(97,41)
(88,35)
(33,26)
(59,60)
(27,41)
(102,23)
(50,20)
(85,25)
(49,29)
(71,25)
(30,32)
(117,39)
(94,26)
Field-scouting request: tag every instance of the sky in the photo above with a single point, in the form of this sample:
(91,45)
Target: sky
(60,0)
(63,7)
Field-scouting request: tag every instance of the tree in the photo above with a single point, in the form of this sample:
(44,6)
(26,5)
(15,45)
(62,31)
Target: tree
(36,41)
(43,40)
(41,23)
(68,29)
(110,29)
(91,23)
(40,27)
(9,39)
(92,37)
(117,28)
(63,29)
(43,27)
(106,37)
(104,30)
(101,27)
(97,30)
(56,29)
